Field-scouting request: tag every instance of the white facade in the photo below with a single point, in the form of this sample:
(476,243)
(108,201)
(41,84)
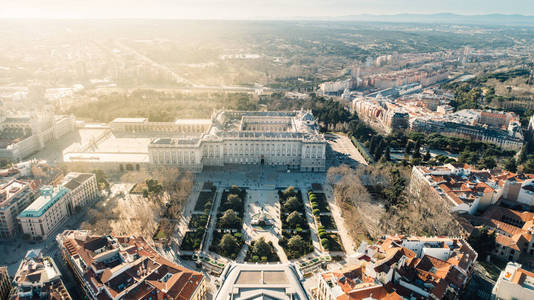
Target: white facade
(287,139)
(35,132)
(514,283)
(267,281)
(83,189)
(46,213)
(14,197)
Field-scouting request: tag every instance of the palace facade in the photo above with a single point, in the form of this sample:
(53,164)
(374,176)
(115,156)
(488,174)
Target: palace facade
(286,139)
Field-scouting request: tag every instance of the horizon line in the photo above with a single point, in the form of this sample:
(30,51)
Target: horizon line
(263,18)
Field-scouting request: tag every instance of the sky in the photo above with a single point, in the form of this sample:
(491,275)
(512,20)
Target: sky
(250,9)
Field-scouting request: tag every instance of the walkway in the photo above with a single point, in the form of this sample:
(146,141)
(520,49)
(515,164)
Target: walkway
(346,239)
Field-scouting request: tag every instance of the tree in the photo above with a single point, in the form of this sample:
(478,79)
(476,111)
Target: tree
(101,179)
(510,165)
(528,167)
(482,241)
(292,204)
(427,155)
(379,150)
(417,151)
(228,244)
(294,219)
(488,162)
(523,155)
(289,191)
(230,219)
(373,144)
(409,146)
(296,243)
(261,248)
(234,201)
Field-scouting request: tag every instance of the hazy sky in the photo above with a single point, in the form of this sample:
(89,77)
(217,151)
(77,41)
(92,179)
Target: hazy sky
(249,9)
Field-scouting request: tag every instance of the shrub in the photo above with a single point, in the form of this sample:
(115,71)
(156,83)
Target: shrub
(316,212)
(324,242)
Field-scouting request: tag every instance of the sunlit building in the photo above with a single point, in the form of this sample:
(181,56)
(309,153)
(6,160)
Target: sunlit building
(287,139)
(514,283)
(21,136)
(267,281)
(15,196)
(38,278)
(46,213)
(5,283)
(110,267)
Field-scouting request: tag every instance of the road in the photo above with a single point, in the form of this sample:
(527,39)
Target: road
(344,151)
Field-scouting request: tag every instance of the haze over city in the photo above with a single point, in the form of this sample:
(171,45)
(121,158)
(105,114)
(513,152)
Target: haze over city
(252,9)
(285,150)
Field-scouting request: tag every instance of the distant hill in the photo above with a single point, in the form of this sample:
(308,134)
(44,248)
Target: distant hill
(442,18)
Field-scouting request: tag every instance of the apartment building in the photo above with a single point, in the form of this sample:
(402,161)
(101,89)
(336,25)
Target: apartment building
(46,213)
(38,278)
(110,267)
(5,283)
(514,283)
(469,189)
(83,190)
(399,267)
(514,232)
(15,196)
(356,281)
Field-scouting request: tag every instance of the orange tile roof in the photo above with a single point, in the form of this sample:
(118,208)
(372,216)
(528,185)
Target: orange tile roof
(510,230)
(506,242)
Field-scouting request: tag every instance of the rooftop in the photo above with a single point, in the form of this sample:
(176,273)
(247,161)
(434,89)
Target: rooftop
(251,281)
(49,196)
(129,120)
(127,267)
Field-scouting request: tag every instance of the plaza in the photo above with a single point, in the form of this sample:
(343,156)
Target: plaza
(262,185)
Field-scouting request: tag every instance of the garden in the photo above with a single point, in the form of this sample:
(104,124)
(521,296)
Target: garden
(204,201)
(327,228)
(199,221)
(330,240)
(227,244)
(227,237)
(192,240)
(230,212)
(318,203)
(327,221)
(261,251)
(296,238)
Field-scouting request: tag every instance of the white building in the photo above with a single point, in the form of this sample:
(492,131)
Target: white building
(46,213)
(266,281)
(38,278)
(14,197)
(514,283)
(56,204)
(287,139)
(82,188)
(22,136)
